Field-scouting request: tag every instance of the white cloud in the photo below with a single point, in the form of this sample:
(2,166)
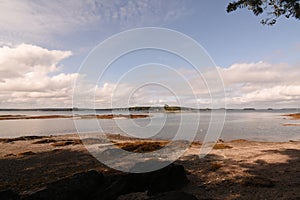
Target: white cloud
(30,76)
(261,85)
(26,80)
(28,60)
(260,72)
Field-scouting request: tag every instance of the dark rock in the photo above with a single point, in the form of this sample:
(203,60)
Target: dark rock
(173,195)
(22,138)
(172,177)
(26,153)
(166,179)
(9,155)
(113,189)
(66,143)
(79,186)
(9,195)
(32,137)
(93,185)
(45,141)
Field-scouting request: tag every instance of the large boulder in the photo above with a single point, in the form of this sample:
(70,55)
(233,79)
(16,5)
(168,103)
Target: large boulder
(80,186)
(93,185)
(9,195)
(169,178)
(173,195)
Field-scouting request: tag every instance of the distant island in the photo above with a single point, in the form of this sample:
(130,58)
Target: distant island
(109,116)
(249,109)
(165,108)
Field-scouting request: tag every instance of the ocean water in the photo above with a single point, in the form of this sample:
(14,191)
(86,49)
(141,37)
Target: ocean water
(259,125)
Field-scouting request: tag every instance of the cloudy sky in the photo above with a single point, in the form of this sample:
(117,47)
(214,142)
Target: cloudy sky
(44,43)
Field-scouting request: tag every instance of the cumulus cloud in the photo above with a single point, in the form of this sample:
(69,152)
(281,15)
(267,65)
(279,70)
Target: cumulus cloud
(28,60)
(31,76)
(261,84)
(26,80)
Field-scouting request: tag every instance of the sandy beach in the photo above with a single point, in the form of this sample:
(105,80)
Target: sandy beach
(237,169)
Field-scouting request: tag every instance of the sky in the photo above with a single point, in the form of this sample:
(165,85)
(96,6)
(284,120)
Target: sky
(44,43)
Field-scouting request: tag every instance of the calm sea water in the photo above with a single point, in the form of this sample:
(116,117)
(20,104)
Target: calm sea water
(260,125)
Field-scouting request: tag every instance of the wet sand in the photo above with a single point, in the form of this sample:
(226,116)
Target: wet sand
(294,116)
(237,169)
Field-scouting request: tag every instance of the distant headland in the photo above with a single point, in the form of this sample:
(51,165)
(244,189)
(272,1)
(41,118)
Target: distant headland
(165,108)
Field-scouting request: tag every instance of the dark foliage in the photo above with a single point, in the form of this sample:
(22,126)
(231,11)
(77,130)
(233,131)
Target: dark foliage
(273,8)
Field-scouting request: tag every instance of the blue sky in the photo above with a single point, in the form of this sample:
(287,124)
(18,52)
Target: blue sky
(69,30)
(228,37)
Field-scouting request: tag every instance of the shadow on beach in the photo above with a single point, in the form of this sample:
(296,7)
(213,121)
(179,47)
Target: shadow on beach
(222,178)
(38,175)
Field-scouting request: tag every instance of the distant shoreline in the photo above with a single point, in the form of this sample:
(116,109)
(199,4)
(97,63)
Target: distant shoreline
(109,116)
(145,108)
